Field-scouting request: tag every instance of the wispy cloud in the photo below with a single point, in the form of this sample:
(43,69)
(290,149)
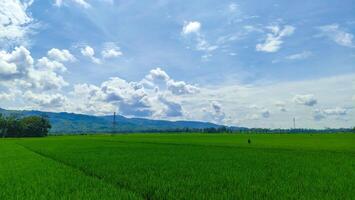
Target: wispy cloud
(338,35)
(299,56)
(274,38)
(82,3)
(193,28)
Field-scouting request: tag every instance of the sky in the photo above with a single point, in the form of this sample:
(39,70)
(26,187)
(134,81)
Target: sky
(241,63)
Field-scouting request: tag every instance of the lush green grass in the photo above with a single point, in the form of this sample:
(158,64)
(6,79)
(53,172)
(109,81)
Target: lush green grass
(188,166)
(27,175)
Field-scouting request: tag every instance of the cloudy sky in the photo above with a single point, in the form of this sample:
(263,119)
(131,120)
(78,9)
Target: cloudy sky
(245,63)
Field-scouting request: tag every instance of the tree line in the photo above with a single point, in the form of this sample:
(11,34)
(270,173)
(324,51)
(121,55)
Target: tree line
(31,126)
(225,129)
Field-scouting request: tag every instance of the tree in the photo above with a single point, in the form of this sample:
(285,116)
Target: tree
(34,126)
(2,126)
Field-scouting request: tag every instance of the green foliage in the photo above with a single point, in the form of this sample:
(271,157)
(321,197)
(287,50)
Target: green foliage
(31,126)
(206,166)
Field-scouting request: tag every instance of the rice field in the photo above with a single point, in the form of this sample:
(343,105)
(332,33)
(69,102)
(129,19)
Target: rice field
(179,166)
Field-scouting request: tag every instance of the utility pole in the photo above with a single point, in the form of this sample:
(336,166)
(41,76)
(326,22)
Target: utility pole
(114,123)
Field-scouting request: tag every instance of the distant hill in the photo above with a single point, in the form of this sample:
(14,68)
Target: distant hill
(78,123)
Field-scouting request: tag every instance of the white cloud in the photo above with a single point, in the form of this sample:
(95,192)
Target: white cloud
(191,27)
(299,56)
(44,63)
(15,21)
(307,100)
(201,43)
(320,114)
(45,100)
(274,39)
(89,52)
(15,64)
(158,77)
(338,35)
(19,71)
(111,53)
(7,69)
(82,3)
(61,55)
(150,97)
(180,87)
(111,50)
(160,96)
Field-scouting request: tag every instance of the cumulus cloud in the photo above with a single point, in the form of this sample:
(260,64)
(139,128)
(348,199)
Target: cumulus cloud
(45,100)
(61,55)
(45,63)
(7,69)
(274,38)
(170,108)
(158,77)
(89,52)
(15,21)
(19,70)
(307,100)
(180,87)
(338,35)
(191,27)
(15,64)
(150,97)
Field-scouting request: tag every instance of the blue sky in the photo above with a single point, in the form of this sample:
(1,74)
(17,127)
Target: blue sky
(247,63)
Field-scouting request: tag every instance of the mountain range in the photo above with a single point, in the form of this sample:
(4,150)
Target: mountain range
(64,122)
